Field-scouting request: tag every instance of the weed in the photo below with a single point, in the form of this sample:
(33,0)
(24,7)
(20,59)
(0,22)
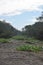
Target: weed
(29,48)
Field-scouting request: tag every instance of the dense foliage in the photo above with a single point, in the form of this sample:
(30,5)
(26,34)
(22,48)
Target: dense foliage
(35,30)
(30,48)
(7,30)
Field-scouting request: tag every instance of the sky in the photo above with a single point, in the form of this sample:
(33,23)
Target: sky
(20,13)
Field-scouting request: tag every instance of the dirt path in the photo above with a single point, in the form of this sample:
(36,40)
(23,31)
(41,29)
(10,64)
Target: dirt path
(9,56)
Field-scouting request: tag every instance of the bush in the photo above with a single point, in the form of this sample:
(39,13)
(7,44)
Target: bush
(29,48)
(3,40)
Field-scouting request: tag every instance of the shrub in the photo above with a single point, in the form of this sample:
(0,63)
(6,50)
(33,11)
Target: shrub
(3,40)
(29,48)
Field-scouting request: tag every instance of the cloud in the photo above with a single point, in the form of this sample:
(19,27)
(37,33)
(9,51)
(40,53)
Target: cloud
(15,7)
(33,20)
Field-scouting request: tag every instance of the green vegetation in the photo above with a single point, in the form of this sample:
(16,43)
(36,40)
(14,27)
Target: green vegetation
(32,40)
(26,39)
(19,37)
(30,31)
(29,48)
(2,40)
(35,30)
(7,30)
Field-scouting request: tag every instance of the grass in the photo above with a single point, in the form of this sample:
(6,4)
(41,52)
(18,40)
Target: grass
(2,40)
(19,37)
(26,39)
(32,40)
(29,48)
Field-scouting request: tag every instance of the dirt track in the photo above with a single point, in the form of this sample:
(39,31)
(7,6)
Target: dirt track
(9,56)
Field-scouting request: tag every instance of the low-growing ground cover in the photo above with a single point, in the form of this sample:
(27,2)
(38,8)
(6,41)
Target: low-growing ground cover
(2,40)
(30,48)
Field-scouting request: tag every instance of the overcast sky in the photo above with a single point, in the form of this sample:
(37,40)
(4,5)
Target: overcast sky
(20,12)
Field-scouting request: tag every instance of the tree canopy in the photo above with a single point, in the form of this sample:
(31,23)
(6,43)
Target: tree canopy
(35,30)
(7,30)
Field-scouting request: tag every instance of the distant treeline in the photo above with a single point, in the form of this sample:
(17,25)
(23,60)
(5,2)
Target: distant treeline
(35,30)
(7,30)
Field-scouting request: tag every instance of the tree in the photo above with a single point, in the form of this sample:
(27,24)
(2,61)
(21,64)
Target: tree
(35,30)
(7,30)
(40,18)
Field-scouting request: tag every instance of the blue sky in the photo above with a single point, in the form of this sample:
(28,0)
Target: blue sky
(19,15)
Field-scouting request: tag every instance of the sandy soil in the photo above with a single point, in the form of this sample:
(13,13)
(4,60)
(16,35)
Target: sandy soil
(9,55)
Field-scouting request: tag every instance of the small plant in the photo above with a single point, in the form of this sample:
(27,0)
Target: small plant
(3,40)
(29,48)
